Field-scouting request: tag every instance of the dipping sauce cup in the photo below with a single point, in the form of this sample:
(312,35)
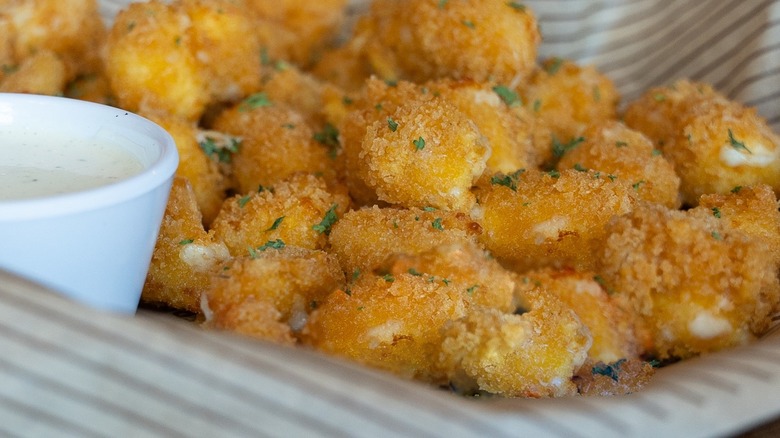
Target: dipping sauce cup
(83,189)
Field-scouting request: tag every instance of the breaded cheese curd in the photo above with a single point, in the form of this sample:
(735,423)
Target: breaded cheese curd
(185,254)
(695,284)
(533,219)
(287,283)
(714,143)
(614,149)
(485,40)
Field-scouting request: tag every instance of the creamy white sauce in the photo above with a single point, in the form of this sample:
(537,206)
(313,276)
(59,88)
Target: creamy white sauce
(35,165)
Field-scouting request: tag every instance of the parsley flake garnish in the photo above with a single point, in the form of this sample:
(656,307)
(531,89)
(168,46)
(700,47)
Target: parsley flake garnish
(329,137)
(186,241)
(659,97)
(256,100)
(553,66)
(414,272)
(328,220)
(516,6)
(468,23)
(578,167)
(554,174)
(716,235)
(392,124)
(276,223)
(559,149)
(638,184)
(388,278)
(621,144)
(507,180)
(507,95)
(437,224)
(471,289)
(274,244)
(223,153)
(610,371)
(716,212)
(243,200)
(737,144)
(419,144)
(736,189)
(443,3)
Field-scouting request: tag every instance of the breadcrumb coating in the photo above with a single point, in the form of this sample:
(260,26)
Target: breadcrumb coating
(362,239)
(294,281)
(714,143)
(461,39)
(185,255)
(696,284)
(533,219)
(534,354)
(298,211)
(613,148)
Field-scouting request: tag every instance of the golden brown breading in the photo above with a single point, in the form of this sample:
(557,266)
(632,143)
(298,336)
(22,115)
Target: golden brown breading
(362,239)
(535,219)
(609,324)
(695,284)
(465,264)
(294,281)
(752,210)
(185,255)
(275,143)
(390,322)
(297,211)
(180,57)
(534,354)
(569,97)
(314,25)
(714,144)
(73,30)
(39,73)
(202,172)
(461,39)
(613,148)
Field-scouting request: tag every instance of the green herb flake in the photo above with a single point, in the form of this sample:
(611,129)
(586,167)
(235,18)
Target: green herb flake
(242,201)
(716,235)
(553,66)
(272,244)
(471,289)
(554,174)
(716,212)
(537,105)
(257,100)
(414,272)
(468,23)
(392,124)
(429,209)
(656,152)
(388,278)
(419,144)
(638,184)
(276,223)
(507,95)
(621,144)
(509,180)
(611,370)
(516,6)
(612,177)
(436,224)
(443,3)
(659,97)
(329,137)
(265,59)
(559,149)
(223,153)
(328,220)
(578,167)
(186,241)
(736,189)
(738,145)
(347,100)
(355,274)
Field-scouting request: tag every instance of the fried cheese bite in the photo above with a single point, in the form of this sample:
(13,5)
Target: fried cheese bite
(461,39)
(714,143)
(533,219)
(613,148)
(39,73)
(534,354)
(609,324)
(752,210)
(569,97)
(180,57)
(298,211)
(72,30)
(293,281)
(315,25)
(185,255)
(202,172)
(695,284)
(390,322)
(362,239)
(465,263)
(276,142)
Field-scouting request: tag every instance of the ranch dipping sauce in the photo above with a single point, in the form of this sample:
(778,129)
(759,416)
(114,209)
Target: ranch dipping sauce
(36,165)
